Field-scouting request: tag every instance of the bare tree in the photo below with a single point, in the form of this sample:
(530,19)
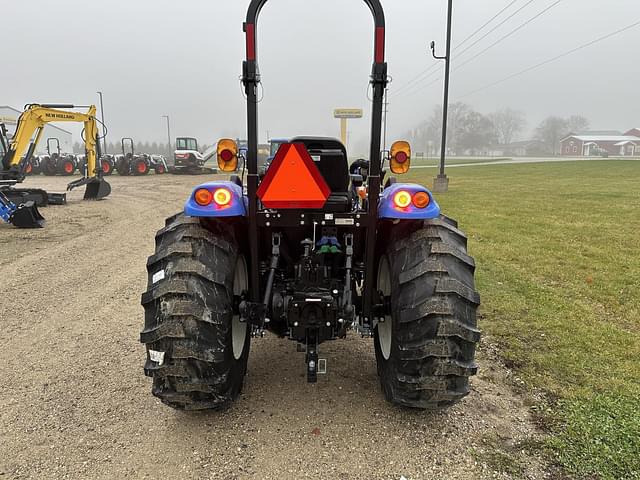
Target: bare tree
(475,132)
(577,124)
(507,124)
(467,130)
(550,132)
(457,115)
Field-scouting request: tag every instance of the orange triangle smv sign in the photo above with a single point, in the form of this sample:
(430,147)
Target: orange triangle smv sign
(293,180)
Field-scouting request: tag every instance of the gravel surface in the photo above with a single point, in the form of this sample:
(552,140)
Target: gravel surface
(74,402)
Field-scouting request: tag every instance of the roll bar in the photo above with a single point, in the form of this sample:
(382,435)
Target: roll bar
(251,79)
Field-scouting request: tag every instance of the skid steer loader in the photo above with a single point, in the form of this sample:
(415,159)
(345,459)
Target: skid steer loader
(188,160)
(301,255)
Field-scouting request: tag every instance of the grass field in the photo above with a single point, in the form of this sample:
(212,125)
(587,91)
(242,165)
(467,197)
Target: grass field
(558,254)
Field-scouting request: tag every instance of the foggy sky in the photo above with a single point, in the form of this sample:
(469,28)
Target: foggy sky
(156,57)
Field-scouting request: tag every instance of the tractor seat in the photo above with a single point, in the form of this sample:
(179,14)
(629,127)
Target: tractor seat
(330,156)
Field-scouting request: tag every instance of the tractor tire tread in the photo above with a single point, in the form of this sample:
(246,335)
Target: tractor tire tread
(188,313)
(435,304)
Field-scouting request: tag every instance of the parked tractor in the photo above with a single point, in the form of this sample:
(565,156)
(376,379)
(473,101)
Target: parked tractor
(56,162)
(32,165)
(132,163)
(309,252)
(107,162)
(159,164)
(274,145)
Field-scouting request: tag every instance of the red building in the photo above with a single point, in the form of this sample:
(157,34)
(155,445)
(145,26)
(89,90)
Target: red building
(602,144)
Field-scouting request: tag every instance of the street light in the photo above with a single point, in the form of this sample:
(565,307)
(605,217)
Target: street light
(104,129)
(168,131)
(441,182)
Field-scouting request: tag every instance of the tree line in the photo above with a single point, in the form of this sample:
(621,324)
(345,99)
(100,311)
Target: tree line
(470,132)
(152,148)
(158,148)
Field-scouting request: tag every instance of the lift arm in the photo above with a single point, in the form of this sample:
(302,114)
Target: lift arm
(33,120)
(29,131)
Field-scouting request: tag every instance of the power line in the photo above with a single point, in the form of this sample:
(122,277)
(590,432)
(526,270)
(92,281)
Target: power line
(484,25)
(504,37)
(417,79)
(557,57)
(407,88)
(414,90)
(497,26)
(419,76)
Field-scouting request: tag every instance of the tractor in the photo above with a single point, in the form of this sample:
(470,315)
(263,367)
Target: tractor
(309,251)
(56,162)
(107,161)
(132,163)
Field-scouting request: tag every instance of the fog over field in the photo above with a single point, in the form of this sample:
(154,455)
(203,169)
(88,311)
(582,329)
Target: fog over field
(184,58)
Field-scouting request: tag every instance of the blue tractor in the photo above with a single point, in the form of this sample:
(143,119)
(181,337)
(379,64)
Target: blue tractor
(311,250)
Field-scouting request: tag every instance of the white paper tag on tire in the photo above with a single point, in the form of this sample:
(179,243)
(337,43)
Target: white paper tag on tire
(157,276)
(156,356)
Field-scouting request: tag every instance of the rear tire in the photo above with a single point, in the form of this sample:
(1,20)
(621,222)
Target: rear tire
(197,349)
(28,168)
(82,168)
(66,166)
(140,167)
(425,349)
(49,165)
(122,166)
(107,166)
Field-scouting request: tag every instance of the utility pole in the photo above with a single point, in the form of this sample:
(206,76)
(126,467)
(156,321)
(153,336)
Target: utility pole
(441,182)
(168,132)
(104,129)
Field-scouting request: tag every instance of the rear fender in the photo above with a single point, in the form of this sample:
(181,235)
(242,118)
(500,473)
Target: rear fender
(235,208)
(388,209)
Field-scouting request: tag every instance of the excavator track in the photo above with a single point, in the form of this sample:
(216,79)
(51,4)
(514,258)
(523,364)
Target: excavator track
(40,197)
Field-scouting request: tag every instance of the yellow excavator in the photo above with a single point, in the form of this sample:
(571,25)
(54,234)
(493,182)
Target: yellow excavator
(19,206)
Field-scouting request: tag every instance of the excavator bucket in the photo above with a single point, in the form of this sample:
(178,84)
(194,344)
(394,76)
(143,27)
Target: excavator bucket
(27,216)
(97,189)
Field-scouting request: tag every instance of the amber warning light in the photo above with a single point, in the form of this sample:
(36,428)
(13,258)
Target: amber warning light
(293,180)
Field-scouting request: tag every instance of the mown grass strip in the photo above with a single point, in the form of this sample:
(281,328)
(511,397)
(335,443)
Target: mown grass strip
(558,253)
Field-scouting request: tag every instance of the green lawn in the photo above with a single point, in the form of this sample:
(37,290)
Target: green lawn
(558,253)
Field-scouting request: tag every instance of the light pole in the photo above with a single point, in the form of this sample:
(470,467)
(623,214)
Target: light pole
(104,129)
(168,132)
(441,182)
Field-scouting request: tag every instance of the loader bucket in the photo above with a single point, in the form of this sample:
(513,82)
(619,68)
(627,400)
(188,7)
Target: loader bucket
(97,189)
(27,216)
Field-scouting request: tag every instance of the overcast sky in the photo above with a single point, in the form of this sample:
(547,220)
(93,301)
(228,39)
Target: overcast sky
(156,57)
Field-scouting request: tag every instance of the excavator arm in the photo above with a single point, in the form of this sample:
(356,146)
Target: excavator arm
(29,131)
